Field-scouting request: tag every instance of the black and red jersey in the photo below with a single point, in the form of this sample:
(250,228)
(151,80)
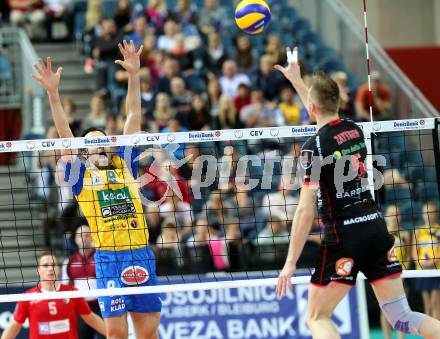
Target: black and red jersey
(335,158)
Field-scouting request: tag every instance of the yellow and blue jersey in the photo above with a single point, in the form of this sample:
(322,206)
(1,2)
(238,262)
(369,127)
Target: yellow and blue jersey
(428,244)
(109,199)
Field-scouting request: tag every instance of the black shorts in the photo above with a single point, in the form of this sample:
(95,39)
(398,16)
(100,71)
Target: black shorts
(340,263)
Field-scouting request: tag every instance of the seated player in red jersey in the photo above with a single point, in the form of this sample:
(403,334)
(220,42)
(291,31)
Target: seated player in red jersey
(52,319)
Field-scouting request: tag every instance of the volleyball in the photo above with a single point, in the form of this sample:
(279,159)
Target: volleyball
(252,16)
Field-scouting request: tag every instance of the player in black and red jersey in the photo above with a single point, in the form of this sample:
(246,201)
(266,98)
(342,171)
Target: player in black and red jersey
(356,237)
(56,318)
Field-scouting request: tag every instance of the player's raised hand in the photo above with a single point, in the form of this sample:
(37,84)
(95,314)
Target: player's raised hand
(293,71)
(285,279)
(48,79)
(131,62)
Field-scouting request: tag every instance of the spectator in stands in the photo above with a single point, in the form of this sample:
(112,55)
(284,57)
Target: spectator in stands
(275,232)
(4,12)
(227,117)
(181,101)
(115,124)
(97,116)
(180,211)
(245,55)
(105,52)
(169,237)
(402,246)
(231,79)
(122,16)
(243,98)
(392,178)
(167,41)
(156,12)
(163,112)
(74,122)
(148,56)
(199,116)
(211,17)
(139,31)
(261,113)
(216,53)
(267,79)
(280,203)
(217,209)
(147,103)
(381,100)
(346,108)
(185,13)
(426,254)
(169,70)
(79,271)
(58,11)
(174,126)
(290,107)
(274,47)
(214,93)
(182,54)
(91,31)
(30,15)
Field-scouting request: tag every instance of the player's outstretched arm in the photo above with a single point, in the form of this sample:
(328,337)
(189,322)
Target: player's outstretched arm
(301,226)
(131,64)
(293,73)
(51,82)
(95,322)
(12,331)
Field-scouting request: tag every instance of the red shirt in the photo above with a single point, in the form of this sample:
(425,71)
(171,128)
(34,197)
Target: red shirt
(241,102)
(363,97)
(54,319)
(80,272)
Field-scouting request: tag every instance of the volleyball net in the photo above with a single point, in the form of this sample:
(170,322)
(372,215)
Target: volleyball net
(218,204)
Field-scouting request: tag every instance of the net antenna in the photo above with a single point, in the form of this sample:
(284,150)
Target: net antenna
(367,50)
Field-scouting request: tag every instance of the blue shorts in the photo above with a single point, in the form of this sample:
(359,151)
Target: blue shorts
(127,269)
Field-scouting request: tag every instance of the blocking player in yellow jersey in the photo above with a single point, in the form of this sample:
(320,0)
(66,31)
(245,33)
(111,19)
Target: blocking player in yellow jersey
(105,186)
(401,251)
(426,255)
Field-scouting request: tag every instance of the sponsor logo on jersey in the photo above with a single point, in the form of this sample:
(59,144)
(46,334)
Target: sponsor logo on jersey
(346,136)
(364,218)
(134,275)
(344,267)
(352,193)
(97,180)
(134,224)
(337,155)
(353,149)
(304,130)
(117,304)
(114,197)
(202,136)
